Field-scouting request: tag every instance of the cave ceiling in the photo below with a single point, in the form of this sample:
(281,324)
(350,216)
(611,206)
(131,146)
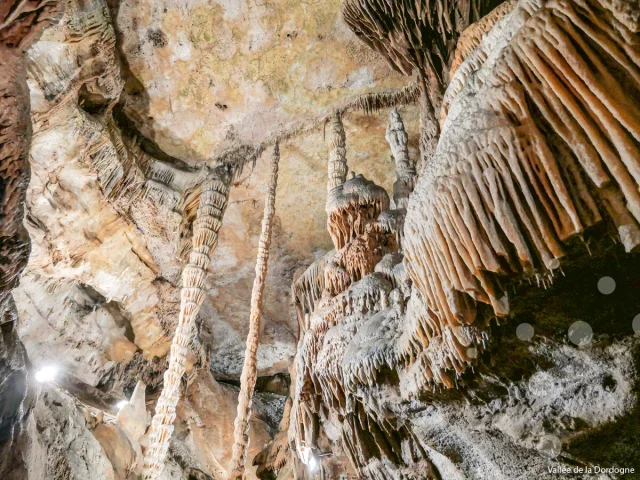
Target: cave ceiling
(275,239)
(193,81)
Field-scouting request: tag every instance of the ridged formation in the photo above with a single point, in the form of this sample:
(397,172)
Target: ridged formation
(420,36)
(337,152)
(340,295)
(249,369)
(534,151)
(405,167)
(539,143)
(21,23)
(213,203)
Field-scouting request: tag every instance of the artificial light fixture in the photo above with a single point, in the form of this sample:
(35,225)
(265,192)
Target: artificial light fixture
(46,374)
(307,457)
(313,463)
(305,454)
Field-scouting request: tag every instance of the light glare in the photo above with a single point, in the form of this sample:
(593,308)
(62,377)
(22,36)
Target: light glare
(120,405)
(313,463)
(46,374)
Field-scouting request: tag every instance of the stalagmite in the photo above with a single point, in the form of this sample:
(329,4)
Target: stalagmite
(337,153)
(213,202)
(351,206)
(249,369)
(405,168)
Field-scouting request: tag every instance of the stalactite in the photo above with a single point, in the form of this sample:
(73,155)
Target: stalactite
(213,203)
(536,149)
(429,129)
(308,287)
(249,369)
(472,36)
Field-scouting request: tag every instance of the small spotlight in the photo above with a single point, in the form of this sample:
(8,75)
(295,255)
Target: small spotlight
(120,405)
(313,464)
(46,374)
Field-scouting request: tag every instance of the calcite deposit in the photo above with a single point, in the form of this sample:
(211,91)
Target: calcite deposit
(373,239)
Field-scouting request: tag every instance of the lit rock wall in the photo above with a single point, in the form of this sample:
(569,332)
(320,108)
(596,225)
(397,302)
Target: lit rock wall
(524,216)
(81,242)
(557,153)
(21,24)
(233,72)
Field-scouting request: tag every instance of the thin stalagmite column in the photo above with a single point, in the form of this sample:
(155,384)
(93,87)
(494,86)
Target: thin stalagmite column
(337,153)
(405,167)
(213,202)
(249,369)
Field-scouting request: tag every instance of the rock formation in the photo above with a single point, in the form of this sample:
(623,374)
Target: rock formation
(510,196)
(21,23)
(211,207)
(249,369)
(467,309)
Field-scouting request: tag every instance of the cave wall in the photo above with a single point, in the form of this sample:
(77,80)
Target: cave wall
(20,26)
(473,354)
(442,337)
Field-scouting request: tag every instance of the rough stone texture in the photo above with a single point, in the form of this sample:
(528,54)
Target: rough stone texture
(205,426)
(382,363)
(16,394)
(227,70)
(402,369)
(250,366)
(228,67)
(132,417)
(117,448)
(21,23)
(80,148)
(61,445)
(512,194)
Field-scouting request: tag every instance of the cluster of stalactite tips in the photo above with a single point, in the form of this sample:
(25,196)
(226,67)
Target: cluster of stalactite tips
(536,143)
(536,147)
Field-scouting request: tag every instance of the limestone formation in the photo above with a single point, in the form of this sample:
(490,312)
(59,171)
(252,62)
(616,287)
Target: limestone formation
(249,369)
(21,23)
(213,203)
(405,167)
(466,309)
(511,195)
(337,153)
(132,417)
(419,36)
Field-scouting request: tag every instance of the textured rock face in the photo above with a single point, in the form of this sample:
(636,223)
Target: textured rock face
(514,194)
(464,326)
(509,194)
(227,70)
(228,66)
(21,23)
(83,150)
(61,444)
(209,413)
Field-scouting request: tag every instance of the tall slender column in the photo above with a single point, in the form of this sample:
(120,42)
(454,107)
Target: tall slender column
(337,152)
(249,369)
(405,167)
(213,202)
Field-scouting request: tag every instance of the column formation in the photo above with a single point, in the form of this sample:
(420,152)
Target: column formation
(337,152)
(249,369)
(213,203)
